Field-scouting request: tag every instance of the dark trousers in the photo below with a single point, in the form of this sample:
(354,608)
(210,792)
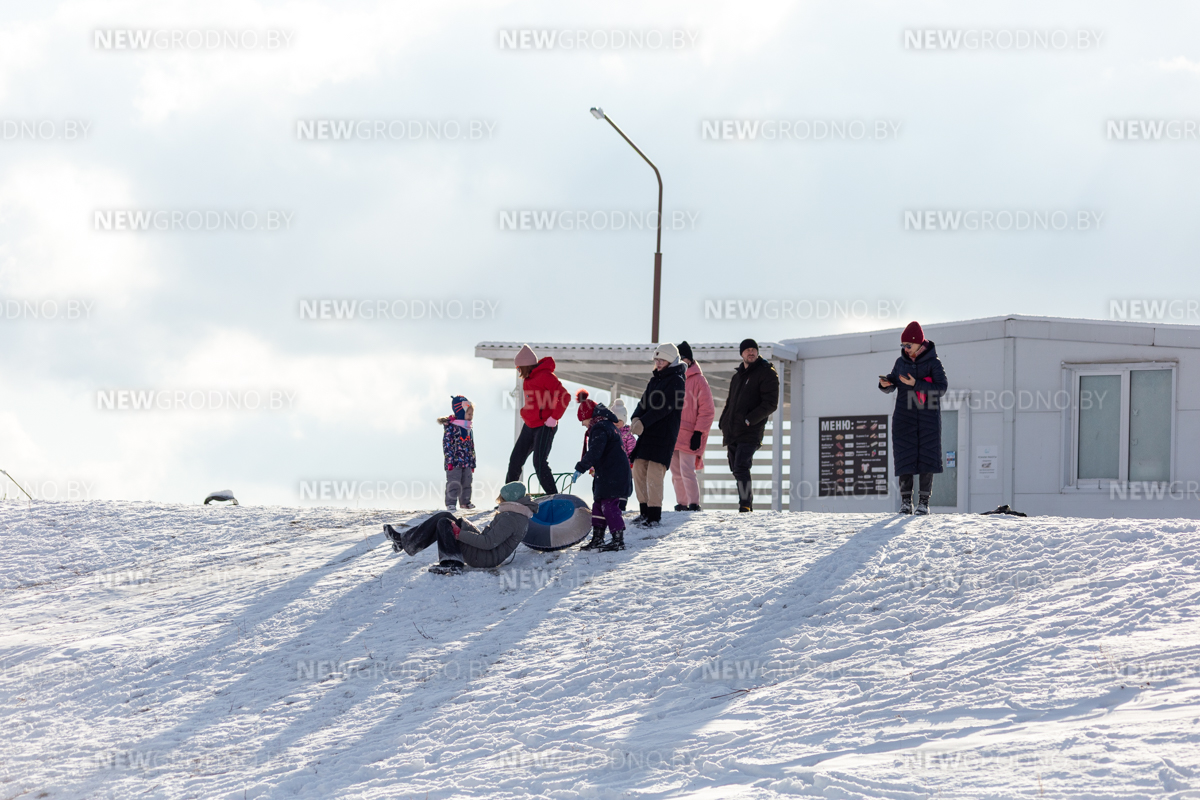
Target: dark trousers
(608,512)
(906,484)
(435,529)
(537,441)
(741,457)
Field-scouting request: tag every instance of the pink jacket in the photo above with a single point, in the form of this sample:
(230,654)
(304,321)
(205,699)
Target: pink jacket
(698,413)
(627,440)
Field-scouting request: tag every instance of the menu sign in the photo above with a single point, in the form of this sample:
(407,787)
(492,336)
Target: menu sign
(853,455)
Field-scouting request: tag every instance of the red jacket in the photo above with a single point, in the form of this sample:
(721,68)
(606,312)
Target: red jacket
(545,396)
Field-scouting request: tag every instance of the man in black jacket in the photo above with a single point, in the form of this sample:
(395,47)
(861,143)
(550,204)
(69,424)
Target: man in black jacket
(753,397)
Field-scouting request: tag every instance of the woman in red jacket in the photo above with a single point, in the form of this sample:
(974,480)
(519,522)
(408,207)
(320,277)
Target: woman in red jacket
(698,414)
(545,402)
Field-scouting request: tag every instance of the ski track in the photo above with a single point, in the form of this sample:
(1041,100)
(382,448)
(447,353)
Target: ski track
(183,651)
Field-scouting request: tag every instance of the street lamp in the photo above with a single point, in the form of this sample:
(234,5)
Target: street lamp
(598,113)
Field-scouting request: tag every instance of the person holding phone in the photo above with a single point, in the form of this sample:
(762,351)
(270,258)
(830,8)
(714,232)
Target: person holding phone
(917,420)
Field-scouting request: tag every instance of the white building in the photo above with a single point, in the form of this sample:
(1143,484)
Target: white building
(1051,416)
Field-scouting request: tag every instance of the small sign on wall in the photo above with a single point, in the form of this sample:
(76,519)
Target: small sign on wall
(987,462)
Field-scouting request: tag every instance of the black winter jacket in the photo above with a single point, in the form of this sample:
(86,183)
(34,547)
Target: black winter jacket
(604,452)
(753,397)
(917,420)
(660,410)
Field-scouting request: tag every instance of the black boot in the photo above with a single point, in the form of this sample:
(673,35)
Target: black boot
(447,568)
(653,517)
(641,517)
(616,543)
(922,505)
(694,507)
(397,541)
(680,507)
(906,504)
(597,538)
(392,537)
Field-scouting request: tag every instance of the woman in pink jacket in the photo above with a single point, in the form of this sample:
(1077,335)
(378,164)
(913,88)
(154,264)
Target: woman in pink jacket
(698,414)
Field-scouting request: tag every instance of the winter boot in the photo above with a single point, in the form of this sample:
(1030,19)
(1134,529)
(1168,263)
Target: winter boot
(447,568)
(906,504)
(393,536)
(922,505)
(641,517)
(468,507)
(597,538)
(694,507)
(653,517)
(744,509)
(616,543)
(680,507)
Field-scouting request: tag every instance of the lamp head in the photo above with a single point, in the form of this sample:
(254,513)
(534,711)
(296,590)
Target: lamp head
(598,113)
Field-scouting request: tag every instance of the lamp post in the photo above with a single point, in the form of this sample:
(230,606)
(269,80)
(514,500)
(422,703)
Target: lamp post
(598,113)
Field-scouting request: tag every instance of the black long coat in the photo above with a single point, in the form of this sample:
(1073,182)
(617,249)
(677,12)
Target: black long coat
(660,410)
(917,420)
(613,477)
(753,398)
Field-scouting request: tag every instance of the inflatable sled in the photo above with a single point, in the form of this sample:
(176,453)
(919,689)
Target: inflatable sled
(561,521)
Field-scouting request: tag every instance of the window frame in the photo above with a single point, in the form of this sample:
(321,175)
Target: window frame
(1072,373)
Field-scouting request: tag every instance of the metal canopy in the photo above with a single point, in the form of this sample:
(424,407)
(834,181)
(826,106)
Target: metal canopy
(601,366)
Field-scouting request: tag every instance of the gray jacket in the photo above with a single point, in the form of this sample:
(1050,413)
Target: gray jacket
(495,543)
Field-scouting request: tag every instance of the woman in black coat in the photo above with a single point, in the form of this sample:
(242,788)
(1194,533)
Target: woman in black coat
(655,422)
(917,420)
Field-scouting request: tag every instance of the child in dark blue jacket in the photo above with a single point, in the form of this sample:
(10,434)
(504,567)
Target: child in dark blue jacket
(613,478)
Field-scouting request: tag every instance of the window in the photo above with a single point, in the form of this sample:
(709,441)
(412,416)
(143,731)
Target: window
(1122,423)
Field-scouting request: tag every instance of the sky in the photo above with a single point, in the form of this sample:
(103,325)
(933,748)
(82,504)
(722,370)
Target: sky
(805,148)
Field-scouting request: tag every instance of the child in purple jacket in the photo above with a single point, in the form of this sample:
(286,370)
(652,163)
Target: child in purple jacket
(458,446)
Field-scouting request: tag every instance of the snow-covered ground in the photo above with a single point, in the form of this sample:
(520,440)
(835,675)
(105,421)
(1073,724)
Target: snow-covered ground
(182,651)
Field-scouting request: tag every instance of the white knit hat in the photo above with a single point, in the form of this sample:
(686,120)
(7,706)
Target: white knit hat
(619,409)
(667,352)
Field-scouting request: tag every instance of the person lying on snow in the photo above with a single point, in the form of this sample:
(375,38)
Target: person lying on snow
(461,543)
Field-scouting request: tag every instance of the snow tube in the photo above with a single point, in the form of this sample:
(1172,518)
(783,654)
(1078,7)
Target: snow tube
(561,521)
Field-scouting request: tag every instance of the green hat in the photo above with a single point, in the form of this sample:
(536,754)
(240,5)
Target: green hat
(511,492)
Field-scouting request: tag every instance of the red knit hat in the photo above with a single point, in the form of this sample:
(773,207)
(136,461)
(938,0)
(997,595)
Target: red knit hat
(586,407)
(913,334)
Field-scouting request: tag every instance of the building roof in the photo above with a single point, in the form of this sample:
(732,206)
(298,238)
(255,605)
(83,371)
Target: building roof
(599,366)
(1015,326)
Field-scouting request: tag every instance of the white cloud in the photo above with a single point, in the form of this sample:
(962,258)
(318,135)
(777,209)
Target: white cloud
(47,245)
(1178,64)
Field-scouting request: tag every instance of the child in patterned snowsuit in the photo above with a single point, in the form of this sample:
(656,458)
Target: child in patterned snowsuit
(458,446)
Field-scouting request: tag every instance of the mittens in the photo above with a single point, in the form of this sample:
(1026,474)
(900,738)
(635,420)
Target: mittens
(696,437)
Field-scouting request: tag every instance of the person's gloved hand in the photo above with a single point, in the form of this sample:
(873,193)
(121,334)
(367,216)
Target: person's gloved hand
(636,427)
(551,423)
(575,477)
(696,440)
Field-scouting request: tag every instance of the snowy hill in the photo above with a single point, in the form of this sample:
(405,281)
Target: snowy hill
(184,651)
